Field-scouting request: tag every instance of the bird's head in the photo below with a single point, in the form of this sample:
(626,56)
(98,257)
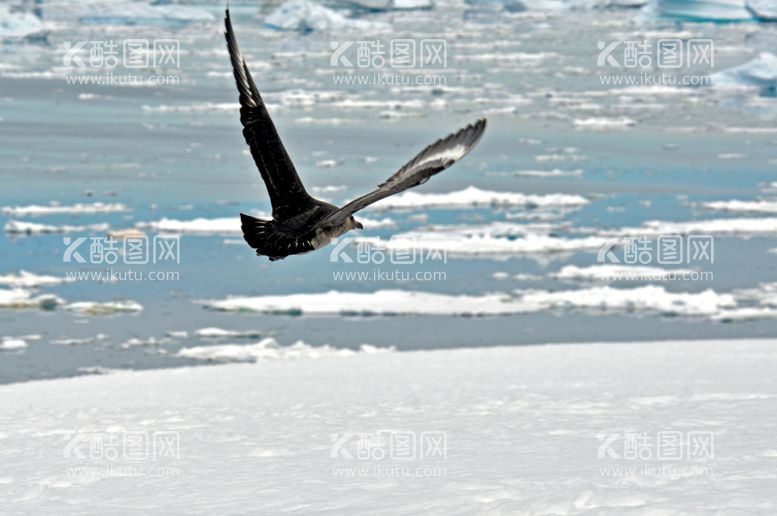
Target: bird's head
(354,224)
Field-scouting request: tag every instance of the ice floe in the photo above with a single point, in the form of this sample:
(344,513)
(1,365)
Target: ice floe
(390,5)
(765,10)
(220,333)
(760,72)
(223,225)
(734,226)
(604,124)
(18,24)
(466,244)
(268,349)
(701,10)
(377,223)
(12,344)
(118,12)
(761,206)
(106,308)
(610,272)
(100,337)
(475,197)
(24,279)
(306,16)
(548,173)
(54,209)
(18,227)
(20,298)
(381,302)
(647,299)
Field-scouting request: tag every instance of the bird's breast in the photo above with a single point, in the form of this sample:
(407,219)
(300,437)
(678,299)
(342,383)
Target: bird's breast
(324,236)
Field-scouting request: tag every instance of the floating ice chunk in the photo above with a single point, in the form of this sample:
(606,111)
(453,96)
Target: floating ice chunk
(11,344)
(604,124)
(548,173)
(24,279)
(306,16)
(18,24)
(125,13)
(267,349)
(701,10)
(745,314)
(219,333)
(391,5)
(107,308)
(100,337)
(19,298)
(225,225)
(764,10)
(650,298)
(53,209)
(151,341)
(19,227)
(474,197)
(381,302)
(760,72)
(462,243)
(761,206)
(736,226)
(618,273)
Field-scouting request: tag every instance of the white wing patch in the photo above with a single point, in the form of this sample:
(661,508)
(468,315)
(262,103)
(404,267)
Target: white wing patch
(444,155)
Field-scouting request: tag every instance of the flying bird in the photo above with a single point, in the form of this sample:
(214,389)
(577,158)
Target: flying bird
(301,223)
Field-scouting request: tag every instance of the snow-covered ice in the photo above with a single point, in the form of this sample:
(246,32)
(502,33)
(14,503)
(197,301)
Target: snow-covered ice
(103,308)
(18,24)
(611,272)
(54,209)
(760,72)
(306,15)
(24,299)
(701,10)
(521,430)
(24,279)
(19,227)
(267,349)
(473,196)
(221,333)
(647,299)
(760,206)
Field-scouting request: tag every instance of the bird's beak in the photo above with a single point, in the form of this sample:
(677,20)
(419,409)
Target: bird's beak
(359,225)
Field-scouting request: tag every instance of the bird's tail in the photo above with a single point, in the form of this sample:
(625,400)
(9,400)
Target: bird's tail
(254,230)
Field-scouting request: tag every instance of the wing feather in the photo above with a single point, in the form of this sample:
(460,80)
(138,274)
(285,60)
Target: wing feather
(432,160)
(287,193)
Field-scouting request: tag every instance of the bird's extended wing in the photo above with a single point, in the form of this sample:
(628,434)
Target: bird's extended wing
(287,193)
(433,159)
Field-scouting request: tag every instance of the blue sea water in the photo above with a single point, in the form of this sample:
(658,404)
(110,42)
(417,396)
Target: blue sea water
(176,151)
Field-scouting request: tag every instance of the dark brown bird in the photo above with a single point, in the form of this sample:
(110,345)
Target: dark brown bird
(302,223)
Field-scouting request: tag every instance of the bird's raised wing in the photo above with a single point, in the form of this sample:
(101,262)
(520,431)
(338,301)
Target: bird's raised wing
(287,193)
(433,159)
